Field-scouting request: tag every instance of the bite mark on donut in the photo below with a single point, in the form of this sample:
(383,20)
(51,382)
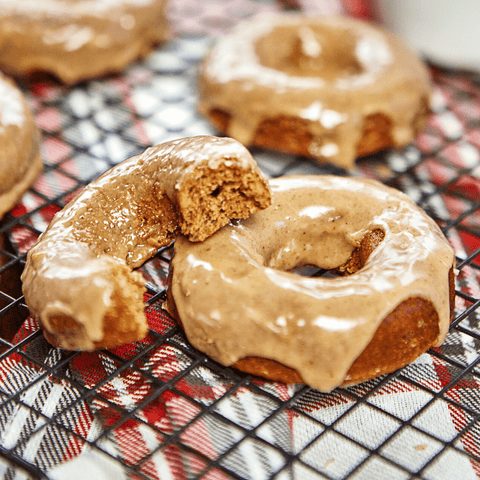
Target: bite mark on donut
(213,196)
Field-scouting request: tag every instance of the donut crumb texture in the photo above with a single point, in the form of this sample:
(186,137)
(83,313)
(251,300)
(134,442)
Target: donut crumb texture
(210,197)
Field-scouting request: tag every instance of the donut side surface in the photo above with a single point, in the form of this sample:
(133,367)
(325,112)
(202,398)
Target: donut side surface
(403,335)
(294,135)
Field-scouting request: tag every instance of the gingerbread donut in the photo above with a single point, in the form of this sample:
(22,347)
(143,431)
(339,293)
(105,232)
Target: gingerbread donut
(78,279)
(20,160)
(331,88)
(77,39)
(240,303)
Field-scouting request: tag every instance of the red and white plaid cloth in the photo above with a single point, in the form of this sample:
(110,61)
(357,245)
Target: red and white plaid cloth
(56,404)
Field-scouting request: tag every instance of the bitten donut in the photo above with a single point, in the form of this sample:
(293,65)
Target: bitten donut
(78,279)
(20,160)
(332,88)
(238,300)
(77,39)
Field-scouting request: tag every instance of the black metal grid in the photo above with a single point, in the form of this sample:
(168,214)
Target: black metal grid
(198,419)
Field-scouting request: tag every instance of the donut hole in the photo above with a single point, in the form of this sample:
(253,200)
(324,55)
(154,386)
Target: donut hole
(312,271)
(293,249)
(311,51)
(331,257)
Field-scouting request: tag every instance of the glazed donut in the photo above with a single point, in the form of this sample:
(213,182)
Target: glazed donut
(239,302)
(331,88)
(78,279)
(20,160)
(77,39)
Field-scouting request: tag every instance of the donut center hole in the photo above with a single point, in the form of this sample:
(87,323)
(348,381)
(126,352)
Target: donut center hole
(330,256)
(311,50)
(312,271)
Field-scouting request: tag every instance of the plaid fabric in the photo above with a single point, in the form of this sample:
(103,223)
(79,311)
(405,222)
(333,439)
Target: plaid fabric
(158,409)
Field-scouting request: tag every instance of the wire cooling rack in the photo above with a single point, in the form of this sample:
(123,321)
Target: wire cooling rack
(158,409)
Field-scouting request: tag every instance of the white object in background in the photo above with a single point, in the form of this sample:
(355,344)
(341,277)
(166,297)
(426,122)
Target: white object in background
(444,31)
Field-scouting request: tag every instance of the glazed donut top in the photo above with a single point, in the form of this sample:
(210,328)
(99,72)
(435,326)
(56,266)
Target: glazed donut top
(317,326)
(265,62)
(61,20)
(330,70)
